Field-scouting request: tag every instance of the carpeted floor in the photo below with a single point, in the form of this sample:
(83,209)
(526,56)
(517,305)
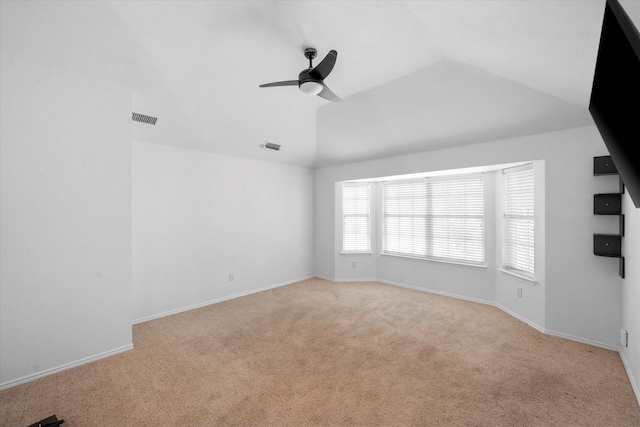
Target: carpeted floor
(318,353)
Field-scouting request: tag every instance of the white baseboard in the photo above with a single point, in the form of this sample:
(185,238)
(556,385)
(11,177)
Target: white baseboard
(434,291)
(506,310)
(331,279)
(217,300)
(634,385)
(520,318)
(582,340)
(25,379)
(41,374)
(554,333)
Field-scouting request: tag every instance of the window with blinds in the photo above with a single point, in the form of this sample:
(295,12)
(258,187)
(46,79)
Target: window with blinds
(435,218)
(356,227)
(518,243)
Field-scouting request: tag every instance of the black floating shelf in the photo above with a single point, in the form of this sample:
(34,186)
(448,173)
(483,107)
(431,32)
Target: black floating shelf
(603,165)
(607,204)
(607,245)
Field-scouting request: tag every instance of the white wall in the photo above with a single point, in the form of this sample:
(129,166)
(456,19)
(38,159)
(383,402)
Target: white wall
(197,217)
(581,296)
(65,222)
(631,291)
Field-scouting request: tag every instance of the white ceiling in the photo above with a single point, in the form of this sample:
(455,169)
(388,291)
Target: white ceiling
(413,75)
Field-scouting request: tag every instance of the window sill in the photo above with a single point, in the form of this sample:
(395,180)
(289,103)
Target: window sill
(441,261)
(356,253)
(525,279)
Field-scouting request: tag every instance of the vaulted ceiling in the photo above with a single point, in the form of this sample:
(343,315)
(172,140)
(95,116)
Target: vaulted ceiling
(413,75)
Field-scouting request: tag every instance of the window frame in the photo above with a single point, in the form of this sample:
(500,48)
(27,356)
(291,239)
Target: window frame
(518,239)
(353,215)
(426,209)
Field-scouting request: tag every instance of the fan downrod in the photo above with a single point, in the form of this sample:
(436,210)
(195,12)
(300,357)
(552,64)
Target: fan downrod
(310,53)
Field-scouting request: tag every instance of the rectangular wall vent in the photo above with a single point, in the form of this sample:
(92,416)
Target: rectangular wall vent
(272,146)
(136,117)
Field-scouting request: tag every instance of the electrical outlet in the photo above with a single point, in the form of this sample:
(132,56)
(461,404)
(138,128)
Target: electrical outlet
(231,277)
(354,264)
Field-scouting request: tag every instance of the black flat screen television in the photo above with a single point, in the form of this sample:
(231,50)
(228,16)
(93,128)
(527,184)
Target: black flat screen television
(615,95)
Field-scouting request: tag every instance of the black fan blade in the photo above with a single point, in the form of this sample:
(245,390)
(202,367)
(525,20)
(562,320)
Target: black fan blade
(285,83)
(322,70)
(327,94)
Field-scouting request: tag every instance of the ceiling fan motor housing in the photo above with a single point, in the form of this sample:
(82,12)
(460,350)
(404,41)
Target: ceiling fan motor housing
(309,83)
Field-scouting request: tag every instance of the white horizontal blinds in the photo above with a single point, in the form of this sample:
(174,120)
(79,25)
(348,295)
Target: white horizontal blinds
(518,244)
(356,236)
(456,218)
(405,213)
(435,218)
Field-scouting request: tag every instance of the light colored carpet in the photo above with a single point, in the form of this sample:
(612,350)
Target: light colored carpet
(318,353)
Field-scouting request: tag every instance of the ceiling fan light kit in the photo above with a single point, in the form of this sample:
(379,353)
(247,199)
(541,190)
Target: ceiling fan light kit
(311,80)
(311,87)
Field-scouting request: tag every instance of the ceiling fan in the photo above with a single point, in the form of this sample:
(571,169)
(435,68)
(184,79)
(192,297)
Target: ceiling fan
(311,80)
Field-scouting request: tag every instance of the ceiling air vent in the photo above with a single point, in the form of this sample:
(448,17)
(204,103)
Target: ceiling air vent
(271,146)
(136,117)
